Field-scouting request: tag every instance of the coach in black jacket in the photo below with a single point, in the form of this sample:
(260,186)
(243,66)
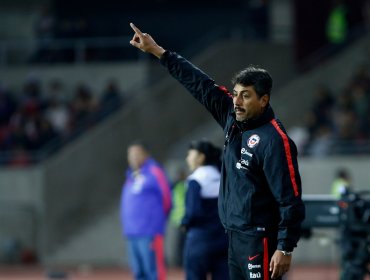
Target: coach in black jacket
(260,201)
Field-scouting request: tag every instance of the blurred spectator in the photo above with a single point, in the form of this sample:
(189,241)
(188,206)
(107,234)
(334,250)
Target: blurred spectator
(55,91)
(321,143)
(8,106)
(337,25)
(58,115)
(175,235)
(83,104)
(345,125)
(31,99)
(46,132)
(300,136)
(32,131)
(36,132)
(58,112)
(5,137)
(17,128)
(18,134)
(145,204)
(341,183)
(319,122)
(322,105)
(112,98)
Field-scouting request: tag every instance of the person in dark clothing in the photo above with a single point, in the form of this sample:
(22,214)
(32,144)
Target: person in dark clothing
(260,202)
(206,242)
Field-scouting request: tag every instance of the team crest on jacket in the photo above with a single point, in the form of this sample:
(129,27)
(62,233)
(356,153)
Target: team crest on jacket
(253,141)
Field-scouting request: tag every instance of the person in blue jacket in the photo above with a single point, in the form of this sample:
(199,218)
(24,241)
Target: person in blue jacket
(260,200)
(145,204)
(206,241)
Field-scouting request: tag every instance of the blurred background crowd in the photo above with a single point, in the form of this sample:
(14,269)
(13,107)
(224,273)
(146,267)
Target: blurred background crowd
(37,119)
(339,123)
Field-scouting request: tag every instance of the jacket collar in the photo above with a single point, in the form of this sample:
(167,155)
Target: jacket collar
(266,117)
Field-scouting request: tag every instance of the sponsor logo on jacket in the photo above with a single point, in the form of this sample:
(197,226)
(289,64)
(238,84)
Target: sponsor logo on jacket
(245,152)
(256,275)
(242,164)
(253,266)
(253,141)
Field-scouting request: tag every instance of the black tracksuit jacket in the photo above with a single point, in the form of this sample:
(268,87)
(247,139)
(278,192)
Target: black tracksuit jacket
(260,192)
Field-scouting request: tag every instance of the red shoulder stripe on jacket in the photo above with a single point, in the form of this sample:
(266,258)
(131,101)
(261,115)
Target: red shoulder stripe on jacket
(288,156)
(224,89)
(164,188)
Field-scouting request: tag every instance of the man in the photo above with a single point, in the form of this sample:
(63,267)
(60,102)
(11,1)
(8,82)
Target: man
(260,201)
(145,204)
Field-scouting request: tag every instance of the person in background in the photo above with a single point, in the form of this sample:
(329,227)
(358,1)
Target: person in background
(145,205)
(112,97)
(206,242)
(341,183)
(175,236)
(337,25)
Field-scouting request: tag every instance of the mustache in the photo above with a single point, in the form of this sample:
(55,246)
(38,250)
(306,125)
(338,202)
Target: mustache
(237,108)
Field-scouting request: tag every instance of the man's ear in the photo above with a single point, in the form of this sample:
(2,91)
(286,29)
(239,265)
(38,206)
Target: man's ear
(265,100)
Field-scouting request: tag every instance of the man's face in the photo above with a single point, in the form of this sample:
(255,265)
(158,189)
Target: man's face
(247,104)
(136,155)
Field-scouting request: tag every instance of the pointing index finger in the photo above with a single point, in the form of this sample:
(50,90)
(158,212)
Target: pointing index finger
(137,30)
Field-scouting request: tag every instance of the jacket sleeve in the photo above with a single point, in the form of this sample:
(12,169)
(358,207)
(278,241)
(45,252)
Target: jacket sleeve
(282,174)
(216,99)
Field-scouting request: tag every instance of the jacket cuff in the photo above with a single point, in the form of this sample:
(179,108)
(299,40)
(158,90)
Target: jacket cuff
(164,57)
(285,247)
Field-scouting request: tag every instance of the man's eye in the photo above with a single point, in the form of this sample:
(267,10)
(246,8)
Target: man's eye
(245,95)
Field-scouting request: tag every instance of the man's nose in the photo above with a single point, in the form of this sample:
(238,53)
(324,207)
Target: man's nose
(237,100)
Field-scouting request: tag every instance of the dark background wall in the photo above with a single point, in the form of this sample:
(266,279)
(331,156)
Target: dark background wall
(310,18)
(171,22)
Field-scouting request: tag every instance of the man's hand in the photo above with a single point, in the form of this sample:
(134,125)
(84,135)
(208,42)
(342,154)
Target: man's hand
(279,264)
(145,42)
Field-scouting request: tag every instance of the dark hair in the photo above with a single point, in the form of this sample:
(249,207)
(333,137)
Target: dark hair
(259,78)
(211,152)
(141,143)
(343,173)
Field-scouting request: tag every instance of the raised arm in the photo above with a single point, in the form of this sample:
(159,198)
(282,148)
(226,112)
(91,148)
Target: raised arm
(145,42)
(215,98)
